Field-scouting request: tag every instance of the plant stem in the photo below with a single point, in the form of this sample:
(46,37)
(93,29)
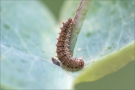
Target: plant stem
(78,22)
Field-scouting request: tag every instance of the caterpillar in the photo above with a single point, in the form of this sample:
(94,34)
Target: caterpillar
(62,50)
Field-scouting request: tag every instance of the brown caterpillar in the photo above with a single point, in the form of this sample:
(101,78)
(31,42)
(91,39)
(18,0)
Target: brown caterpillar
(62,51)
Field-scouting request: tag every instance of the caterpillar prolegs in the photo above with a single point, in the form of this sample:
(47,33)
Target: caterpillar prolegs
(62,51)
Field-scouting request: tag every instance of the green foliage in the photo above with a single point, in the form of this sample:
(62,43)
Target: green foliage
(108,65)
(123,79)
(27,45)
(54,6)
(108,27)
(28,38)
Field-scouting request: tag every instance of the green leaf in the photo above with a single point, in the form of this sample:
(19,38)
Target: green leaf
(27,26)
(108,28)
(123,79)
(24,71)
(108,65)
(28,40)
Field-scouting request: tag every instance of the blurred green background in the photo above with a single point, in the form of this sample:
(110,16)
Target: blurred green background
(43,29)
(54,6)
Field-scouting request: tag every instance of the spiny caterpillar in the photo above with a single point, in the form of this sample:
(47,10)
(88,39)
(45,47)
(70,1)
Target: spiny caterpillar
(62,51)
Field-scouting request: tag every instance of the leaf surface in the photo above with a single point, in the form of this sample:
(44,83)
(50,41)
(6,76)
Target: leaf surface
(28,40)
(106,40)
